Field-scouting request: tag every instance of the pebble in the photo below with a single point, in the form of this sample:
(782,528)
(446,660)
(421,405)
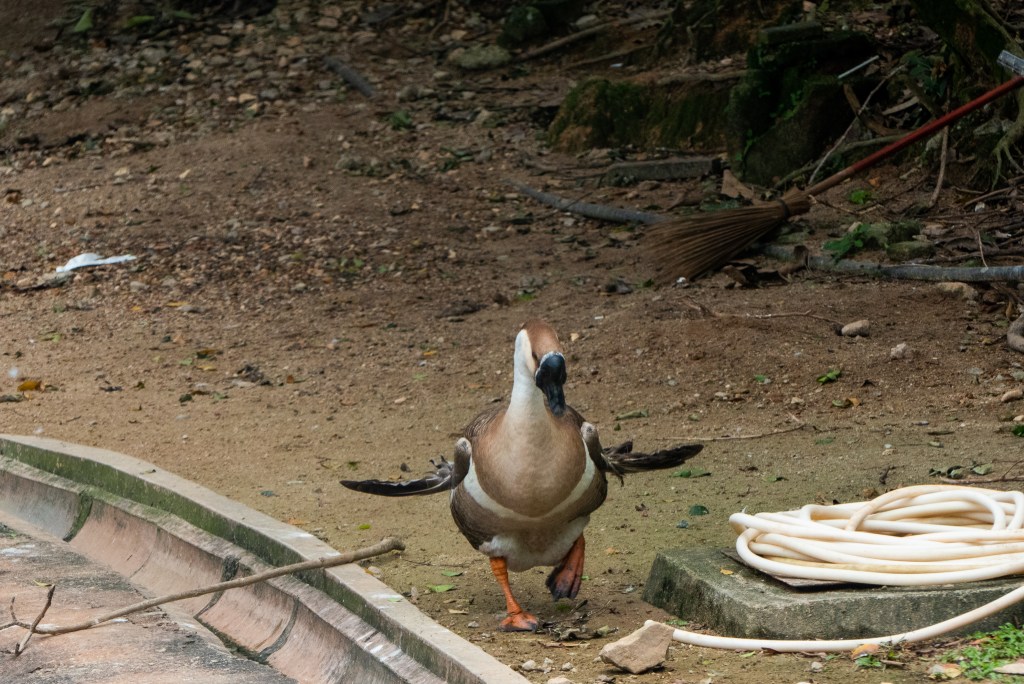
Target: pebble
(528,666)
(900,351)
(1012,395)
(861,328)
(560,680)
(955,289)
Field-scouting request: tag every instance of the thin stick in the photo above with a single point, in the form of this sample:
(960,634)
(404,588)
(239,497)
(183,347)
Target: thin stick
(384,546)
(942,173)
(856,118)
(799,426)
(786,314)
(20,648)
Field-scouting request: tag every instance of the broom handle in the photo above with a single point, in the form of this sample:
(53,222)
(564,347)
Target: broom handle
(923,132)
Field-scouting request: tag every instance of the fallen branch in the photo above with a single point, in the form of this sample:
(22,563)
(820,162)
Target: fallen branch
(350,76)
(384,546)
(592,31)
(20,648)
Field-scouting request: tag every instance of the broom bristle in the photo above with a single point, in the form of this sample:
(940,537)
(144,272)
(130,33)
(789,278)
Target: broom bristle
(690,246)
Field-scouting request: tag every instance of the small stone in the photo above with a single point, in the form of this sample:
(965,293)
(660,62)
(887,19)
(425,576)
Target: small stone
(218,41)
(900,351)
(327,23)
(861,328)
(641,651)
(560,680)
(473,624)
(246,98)
(480,57)
(566,667)
(961,290)
(528,666)
(909,250)
(137,286)
(1012,395)
(153,55)
(816,666)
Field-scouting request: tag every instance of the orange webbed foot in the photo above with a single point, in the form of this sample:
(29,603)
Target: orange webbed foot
(564,580)
(519,622)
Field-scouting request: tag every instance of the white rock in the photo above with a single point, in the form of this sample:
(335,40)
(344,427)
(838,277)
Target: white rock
(900,351)
(560,680)
(528,666)
(641,651)
(861,328)
(1012,395)
(961,290)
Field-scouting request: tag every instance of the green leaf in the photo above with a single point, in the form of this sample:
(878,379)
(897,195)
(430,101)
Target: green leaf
(860,196)
(400,120)
(639,413)
(139,20)
(694,472)
(84,22)
(831,376)
(763,379)
(982,469)
(698,509)
(1018,430)
(364,526)
(440,588)
(451,573)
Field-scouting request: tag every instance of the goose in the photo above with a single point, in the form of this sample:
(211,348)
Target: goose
(526,476)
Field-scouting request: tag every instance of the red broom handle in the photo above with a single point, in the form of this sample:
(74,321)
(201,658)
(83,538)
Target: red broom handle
(923,132)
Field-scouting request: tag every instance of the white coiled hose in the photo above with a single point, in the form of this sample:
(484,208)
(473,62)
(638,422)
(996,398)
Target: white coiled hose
(922,535)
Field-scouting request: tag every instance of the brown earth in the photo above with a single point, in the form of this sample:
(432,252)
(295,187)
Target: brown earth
(319,296)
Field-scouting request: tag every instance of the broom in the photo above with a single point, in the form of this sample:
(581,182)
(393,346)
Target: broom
(689,246)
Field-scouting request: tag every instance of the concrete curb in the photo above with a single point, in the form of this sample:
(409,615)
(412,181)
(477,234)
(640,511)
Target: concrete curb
(328,626)
(690,583)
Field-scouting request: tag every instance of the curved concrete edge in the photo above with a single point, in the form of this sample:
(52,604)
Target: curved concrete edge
(91,503)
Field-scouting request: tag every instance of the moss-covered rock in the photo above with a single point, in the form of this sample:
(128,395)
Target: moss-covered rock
(790,105)
(604,113)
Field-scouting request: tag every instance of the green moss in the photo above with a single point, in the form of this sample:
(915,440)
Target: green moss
(603,113)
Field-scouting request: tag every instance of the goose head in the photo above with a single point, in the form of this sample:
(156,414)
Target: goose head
(540,363)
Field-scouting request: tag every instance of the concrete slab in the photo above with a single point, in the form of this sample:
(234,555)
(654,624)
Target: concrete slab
(707,587)
(168,534)
(157,646)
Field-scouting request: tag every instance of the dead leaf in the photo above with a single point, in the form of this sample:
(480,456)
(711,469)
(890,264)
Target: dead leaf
(726,571)
(863,650)
(296,521)
(31,385)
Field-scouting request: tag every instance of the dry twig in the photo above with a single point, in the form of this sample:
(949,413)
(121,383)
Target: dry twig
(593,30)
(384,546)
(20,648)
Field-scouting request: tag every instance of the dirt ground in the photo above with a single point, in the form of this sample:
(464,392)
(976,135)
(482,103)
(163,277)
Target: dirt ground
(318,296)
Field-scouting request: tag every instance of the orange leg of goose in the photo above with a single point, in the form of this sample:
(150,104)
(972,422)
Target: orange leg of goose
(518,620)
(564,580)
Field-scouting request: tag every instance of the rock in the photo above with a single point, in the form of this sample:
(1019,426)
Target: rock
(528,666)
(861,328)
(641,651)
(327,23)
(961,290)
(908,250)
(480,57)
(1012,395)
(900,351)
(218,41)
(153,55)
(560,680)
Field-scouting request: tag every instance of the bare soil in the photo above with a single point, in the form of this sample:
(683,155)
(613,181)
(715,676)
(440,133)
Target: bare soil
(320,296)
